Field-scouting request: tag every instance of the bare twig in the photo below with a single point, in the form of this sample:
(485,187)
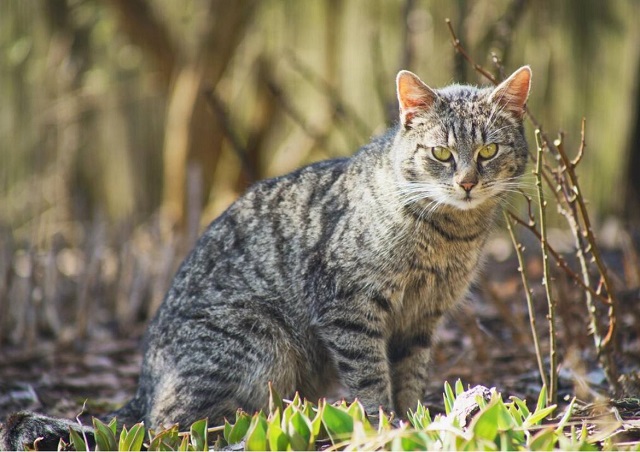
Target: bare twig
(589,235)
(546,281)
(527,291)
(218,108)
(560,261)
(456,45)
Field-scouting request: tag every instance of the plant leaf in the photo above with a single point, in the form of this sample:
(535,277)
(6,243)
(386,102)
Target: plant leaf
(485,423)
(198,434)
(131,440)
(275,400)
(542,398)
(275,435)
(239,429)
(299,431)
(76,440)
(105,435)
(544,440)
(538,416)
(337,422)
(256,438)
(449,398)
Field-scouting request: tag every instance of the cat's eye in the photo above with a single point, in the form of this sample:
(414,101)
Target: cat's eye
(441,153)
(488,151)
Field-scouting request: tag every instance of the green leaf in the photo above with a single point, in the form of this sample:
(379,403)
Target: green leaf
(307,409)
(538,416)
(505,420)
(275,435)
(411,440)
(239,429)
(113,425)
(77,441)
(227,431)
(168,439)
(565,417)
(198,434)
(522,406)
(459,387)
(358,413)
(131,440)
(296,402)
(256,438)
(316,424)
(275,400)
(449,398)
(299,431)
(544,440)
(286,414)
(485,424)
(338,423)
(104,434)
(383,422)
(515,414)
(542,398)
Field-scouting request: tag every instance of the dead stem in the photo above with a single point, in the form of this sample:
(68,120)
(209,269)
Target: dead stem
(553,355)
(527,291)
(465,55)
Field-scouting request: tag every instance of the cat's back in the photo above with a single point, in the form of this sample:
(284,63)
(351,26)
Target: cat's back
(267,233)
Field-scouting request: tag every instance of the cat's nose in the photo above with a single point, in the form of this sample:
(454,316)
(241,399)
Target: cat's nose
(467,186)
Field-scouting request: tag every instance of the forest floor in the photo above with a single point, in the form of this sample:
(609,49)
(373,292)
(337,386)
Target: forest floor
(488,341)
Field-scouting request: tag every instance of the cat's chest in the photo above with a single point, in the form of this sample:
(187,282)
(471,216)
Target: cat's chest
(437,275)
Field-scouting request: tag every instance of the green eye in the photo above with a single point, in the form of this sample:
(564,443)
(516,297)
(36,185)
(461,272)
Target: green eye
(441,153)
(488,151)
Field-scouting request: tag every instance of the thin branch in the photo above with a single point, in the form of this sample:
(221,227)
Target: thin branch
(560,261)
(593,247)
(465,55)
(527,291)
(221,113)
(553,351)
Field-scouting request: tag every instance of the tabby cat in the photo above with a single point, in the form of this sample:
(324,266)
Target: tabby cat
(336,275)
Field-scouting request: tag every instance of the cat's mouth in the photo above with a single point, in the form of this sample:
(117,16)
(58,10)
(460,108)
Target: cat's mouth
(467,201)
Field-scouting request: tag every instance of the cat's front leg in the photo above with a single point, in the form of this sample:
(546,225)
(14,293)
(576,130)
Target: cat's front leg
(356,340)
(409,357)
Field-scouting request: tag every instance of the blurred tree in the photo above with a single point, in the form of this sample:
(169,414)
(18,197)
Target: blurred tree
(631,181)
(191,134)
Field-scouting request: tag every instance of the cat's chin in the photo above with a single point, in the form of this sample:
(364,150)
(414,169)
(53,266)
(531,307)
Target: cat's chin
(466,203)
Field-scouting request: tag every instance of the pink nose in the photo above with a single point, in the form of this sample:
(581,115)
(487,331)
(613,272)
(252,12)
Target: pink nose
(467,186)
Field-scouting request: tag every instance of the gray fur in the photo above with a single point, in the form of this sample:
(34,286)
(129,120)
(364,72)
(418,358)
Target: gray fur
(336,275)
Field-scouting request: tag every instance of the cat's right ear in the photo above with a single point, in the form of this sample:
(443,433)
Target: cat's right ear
(413,96)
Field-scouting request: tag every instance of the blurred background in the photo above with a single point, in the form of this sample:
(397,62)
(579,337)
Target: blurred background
(126,126)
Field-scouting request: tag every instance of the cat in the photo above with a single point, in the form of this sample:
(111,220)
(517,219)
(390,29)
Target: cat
(337,274)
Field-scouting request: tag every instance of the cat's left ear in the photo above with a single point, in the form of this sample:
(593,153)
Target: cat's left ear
(413,96)
(514,91)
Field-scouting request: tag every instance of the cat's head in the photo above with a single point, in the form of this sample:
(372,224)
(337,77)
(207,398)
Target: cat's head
(461,145)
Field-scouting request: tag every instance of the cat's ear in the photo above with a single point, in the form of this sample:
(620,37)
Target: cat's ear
(514,91)
(413,96)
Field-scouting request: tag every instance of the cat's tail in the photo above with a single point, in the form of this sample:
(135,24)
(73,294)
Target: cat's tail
(21,430)
(26,429)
